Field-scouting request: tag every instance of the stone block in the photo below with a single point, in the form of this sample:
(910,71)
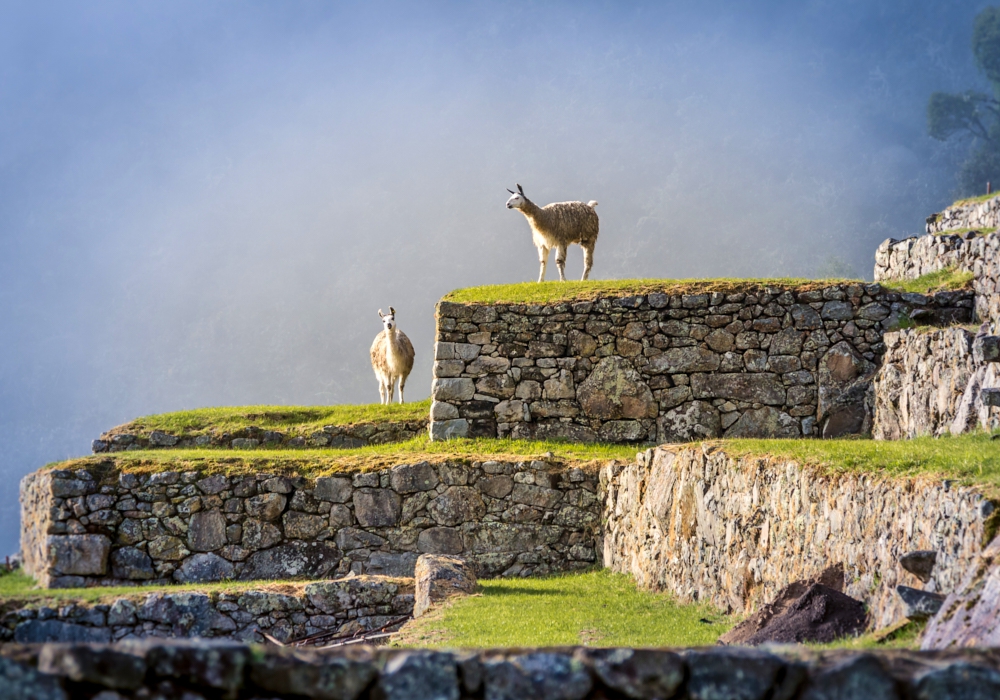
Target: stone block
(333,489)
(206,531)
(614,390)
(131,564)
(203,568)
(458,504)
(986,348)
(267,506)
(538,674)
(449,429)
(758,387)
(397,564)
(451,390)
(79,555)
(411,478)
(437,578)
(377,507)
(294,560)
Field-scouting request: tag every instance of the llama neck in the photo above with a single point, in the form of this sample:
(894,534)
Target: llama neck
(531,211)
(393,347)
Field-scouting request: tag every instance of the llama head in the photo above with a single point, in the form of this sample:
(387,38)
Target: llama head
(517,199)
(389,319)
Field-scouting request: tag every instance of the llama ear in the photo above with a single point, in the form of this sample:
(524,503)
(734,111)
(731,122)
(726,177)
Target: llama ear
(392,311)
(380,314)
(510,190)
(520,190)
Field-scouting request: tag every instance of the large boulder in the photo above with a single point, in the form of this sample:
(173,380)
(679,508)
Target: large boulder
(79,555)
(843,377)
(438,578)
(614,390)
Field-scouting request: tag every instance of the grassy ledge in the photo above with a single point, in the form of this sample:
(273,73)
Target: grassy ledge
(594,608)
(974,200)
(946,280)
(972,460)
(320,462)
(287,419)
(552,292)
(962,231)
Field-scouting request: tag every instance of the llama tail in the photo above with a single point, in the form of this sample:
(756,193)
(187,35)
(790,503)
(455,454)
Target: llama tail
(592,203)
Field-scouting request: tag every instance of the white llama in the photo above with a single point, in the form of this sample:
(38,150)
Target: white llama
(557,225)
(392,357)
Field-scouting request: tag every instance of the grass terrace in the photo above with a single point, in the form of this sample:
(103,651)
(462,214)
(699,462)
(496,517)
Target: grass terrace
(975,200)
(946,280)
(287,419)
(321,462)
(595,608)
(553,292)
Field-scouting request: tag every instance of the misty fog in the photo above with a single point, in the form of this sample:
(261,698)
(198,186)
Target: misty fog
(207,203)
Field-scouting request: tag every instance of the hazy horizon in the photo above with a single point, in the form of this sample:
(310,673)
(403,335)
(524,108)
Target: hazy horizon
(207,203)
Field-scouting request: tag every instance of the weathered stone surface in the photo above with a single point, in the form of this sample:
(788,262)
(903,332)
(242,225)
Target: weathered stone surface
(306,673)
(449,429)
(959,681)
(919,563)
(496,486)
(614,390)
(207,531)
(920,605)
(202,568)
(843,379)
(622,431)
(860,678)
(79,555)
(377,507)
(347,593)
(101,666)
(758,387)
(685,360)
(22,682)
(536,675)
(399,564)
(302,526)
(259,535)
(452,390)
(458,504)
(732,673)
(294,560)
(539,496)
(334,489)
(410,478)
(419,676)
(440,540)
(267,506)
(131,563)
(694,420)
(766,422)
(637,673)
(38,631)
(167,548)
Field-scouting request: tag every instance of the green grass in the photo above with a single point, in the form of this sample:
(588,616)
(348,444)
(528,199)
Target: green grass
(971,200)
(550,292)
(962,231)
(18,590)
(948,279)
(301,420)
(972,459)
(317,462)
(597,608)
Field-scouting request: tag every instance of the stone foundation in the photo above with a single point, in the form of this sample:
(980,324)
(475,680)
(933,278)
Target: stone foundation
(981,215)
(284,611)
(345,436)
(732,532)
(767,362)
(187,670)
(112,527)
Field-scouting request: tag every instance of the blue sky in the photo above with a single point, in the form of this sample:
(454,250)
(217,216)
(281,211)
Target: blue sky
(206,203)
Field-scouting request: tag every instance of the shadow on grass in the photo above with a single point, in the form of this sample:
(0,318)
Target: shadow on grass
(517,590)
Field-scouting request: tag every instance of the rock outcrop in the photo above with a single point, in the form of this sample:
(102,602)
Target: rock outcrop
(438,578)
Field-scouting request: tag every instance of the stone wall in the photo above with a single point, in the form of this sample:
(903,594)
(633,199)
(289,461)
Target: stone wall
(732,532)
(285,611)
(919,387)
(112,527)
(164,669)
(981,215)
(978,254)
(784,362)
(353,435)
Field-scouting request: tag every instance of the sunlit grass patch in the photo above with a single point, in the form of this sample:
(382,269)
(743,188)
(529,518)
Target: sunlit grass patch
(597,608)
(974,200)
(966,459)
(301,420)
(321,461)
(948,279)
(550,292)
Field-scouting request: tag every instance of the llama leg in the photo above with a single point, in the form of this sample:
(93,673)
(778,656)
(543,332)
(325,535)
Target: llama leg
(543,259)
(402,385)
(390,389)
(381,391)
(561,262)
(588,260)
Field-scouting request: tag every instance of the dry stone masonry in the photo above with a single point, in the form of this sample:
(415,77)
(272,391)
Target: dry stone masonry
(732,532)
(164,669)
(354,435)
(984,215)
(287,611)
(113,527)
(778,362)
